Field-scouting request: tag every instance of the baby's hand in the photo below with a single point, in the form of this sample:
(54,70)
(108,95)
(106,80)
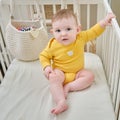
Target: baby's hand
(47,71)
(107,21)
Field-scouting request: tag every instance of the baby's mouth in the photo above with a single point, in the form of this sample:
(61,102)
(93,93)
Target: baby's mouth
(65,39)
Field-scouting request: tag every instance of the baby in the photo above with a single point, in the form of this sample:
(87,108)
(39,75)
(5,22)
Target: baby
(63,58)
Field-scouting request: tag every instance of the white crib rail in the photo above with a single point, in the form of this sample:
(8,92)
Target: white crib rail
(5,57)
(107,45)
(110,55)
(111,62)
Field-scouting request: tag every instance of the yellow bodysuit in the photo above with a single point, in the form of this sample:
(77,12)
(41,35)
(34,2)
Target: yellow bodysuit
(69,58)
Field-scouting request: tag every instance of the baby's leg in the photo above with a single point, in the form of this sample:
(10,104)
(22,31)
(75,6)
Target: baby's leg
(84,78)
(56,79)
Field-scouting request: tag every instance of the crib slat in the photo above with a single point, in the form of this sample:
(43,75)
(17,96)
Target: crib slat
(113,68)
(88,16)
(115,73)
(99,42)
(111,60)
(4,18)
(43,13)
(76,7)
(109,57)
(116,70)
(117,106)
(54,9)
(111,64)
(107,61)
(88,25)
(3,63)
(118,115)
(4,52)
(63,4)
(1,76)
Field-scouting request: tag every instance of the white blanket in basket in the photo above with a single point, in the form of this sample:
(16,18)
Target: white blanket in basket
(25,95)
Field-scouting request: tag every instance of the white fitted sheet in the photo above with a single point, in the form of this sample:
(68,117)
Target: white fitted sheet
(25,95)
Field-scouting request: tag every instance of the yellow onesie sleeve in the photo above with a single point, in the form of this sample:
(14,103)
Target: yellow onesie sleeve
(93,32)
(45,56)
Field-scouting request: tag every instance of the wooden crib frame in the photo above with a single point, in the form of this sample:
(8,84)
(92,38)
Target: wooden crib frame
(107,47)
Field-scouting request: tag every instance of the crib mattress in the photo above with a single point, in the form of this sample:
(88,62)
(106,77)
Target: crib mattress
(25,95)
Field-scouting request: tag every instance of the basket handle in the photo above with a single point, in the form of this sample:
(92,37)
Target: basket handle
(40,14)
(12,8)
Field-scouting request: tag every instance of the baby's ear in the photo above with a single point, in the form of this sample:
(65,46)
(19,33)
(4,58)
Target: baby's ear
(51,31)
(79,28)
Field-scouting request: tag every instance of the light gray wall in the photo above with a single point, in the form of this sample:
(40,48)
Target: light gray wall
(115,5)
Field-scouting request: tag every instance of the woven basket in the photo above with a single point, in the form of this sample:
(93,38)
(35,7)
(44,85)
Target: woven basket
(26,45)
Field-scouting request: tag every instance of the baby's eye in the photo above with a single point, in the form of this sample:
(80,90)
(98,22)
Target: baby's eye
(68,29)
(58,30)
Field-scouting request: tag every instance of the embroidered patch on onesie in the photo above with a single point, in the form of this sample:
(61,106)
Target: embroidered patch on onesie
(70,53)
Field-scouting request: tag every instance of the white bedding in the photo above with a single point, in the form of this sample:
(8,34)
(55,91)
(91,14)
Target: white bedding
(25,95)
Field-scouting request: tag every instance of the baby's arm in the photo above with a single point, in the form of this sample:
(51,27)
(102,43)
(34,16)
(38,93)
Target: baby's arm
(107,20)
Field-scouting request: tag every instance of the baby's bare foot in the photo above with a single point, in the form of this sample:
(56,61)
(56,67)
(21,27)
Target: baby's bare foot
(61,107)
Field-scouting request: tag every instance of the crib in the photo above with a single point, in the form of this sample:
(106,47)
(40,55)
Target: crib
(107,46)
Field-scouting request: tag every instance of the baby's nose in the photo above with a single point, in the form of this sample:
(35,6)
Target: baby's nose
(63,32)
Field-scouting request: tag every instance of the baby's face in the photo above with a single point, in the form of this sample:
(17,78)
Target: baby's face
(65,30)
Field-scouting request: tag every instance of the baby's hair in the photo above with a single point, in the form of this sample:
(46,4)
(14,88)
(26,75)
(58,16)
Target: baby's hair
(64,13)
